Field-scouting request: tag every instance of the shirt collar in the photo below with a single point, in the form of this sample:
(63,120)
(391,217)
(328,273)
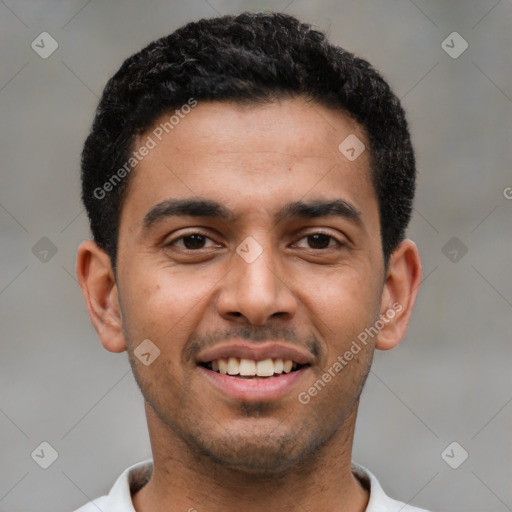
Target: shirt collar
(135,477)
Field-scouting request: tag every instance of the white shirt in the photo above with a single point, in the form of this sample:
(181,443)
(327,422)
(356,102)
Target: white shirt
(135,477)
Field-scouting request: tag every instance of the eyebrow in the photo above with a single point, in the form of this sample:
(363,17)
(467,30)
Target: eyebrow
(212,209)
(189,208)
(320,208)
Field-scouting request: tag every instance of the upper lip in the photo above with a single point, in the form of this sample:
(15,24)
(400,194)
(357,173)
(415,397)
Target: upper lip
(259,352)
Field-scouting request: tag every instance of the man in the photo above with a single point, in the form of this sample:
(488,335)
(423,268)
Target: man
(248,187)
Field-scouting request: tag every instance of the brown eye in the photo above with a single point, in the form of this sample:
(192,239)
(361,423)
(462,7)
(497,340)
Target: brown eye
(192,242)
(319,241)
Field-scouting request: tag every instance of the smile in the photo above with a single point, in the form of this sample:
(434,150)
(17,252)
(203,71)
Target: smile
(249,368)
(269,381)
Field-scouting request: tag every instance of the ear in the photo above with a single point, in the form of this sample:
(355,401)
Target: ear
(97,281)
(403,278)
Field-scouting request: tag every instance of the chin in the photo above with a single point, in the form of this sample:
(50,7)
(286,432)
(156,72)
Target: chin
(259,451)
(252,457)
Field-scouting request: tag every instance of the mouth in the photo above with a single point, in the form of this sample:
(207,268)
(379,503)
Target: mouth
(251,369)
(263,372)
(249,380)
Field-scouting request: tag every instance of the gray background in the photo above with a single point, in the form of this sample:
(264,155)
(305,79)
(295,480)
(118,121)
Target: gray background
(450,379)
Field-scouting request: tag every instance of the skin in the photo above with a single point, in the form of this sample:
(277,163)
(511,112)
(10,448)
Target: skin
(211,451)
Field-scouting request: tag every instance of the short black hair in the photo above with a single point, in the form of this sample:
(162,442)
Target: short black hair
(251,57)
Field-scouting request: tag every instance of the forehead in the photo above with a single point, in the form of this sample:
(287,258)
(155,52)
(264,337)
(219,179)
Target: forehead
(295,127)
(253,156)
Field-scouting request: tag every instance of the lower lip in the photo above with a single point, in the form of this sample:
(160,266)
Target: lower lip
(251,390)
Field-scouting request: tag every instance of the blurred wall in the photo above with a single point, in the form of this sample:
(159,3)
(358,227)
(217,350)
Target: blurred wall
(449,380)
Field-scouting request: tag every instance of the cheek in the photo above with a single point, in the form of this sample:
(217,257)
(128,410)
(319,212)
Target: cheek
(341,306)
(159,301)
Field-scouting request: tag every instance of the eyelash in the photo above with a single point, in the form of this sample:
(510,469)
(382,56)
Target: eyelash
(173,242)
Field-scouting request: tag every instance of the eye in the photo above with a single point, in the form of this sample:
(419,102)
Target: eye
(196,241)
(321,241)
(192,241)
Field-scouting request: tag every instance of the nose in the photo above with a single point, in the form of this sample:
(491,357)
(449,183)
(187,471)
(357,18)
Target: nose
(256,291)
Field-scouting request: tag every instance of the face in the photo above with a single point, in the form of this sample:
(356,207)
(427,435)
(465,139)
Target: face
(247,238)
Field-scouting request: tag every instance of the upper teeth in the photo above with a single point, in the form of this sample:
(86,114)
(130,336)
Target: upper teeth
(249,367)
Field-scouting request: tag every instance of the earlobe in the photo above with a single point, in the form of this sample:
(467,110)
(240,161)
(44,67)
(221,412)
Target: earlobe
(97,281)
(403,279)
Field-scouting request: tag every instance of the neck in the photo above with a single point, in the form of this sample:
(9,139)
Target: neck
(184,480)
